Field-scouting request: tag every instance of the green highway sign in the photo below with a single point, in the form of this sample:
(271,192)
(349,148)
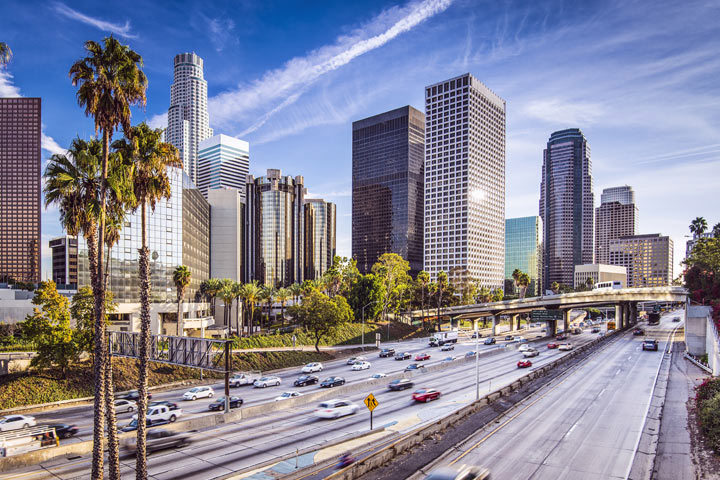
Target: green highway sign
(545,315)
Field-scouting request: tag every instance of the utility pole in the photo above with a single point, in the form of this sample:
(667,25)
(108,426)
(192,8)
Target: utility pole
(227,376)
(477,361)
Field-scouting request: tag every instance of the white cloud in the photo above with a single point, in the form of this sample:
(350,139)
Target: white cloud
(7,89)
(121,30)
(220,31)
(158,121)
(50,145)
(332,194)
(281,87)
(565,112)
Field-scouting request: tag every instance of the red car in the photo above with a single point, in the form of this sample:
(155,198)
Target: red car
(562,336)
(524,364)
(422,356)
(552,345)
(425,395)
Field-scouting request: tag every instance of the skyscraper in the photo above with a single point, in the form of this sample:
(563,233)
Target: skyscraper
(188,121)
(223,162)
(65,261)
(387,189)
(616,217)
(647,258)
(465,180)
(566,206)
(319,237)
(524,251)
(20,190)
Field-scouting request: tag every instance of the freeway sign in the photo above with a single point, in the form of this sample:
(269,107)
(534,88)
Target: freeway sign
(545,315)
(371,402)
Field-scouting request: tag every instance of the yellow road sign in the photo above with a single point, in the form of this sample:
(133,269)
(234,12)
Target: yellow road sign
(371,402)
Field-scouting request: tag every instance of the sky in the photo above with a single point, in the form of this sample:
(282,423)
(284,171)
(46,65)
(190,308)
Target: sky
(640,78)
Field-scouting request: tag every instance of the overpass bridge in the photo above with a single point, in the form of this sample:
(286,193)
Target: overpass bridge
(624,300)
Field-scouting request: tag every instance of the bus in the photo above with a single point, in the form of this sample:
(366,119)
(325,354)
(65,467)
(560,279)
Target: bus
(615,285)
(610,325)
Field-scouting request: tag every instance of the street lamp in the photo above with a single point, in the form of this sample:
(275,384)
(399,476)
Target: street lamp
(363,325)
(477,361)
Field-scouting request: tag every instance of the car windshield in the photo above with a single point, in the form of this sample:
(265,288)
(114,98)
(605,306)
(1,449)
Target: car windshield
(286,394)
(194,390)
(263,379)
(422,390)
(325,405)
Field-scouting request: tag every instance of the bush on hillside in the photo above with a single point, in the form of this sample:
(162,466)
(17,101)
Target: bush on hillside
(707,401)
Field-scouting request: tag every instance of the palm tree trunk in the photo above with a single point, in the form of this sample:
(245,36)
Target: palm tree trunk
(144,347)
(180,326)
(98,363)
(113,444)
(237,318)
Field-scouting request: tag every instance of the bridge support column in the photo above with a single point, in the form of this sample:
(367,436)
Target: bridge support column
(551,324)
(515,322)
(624,314)
(494,324)
(566,320)
(618,315)
(633,312)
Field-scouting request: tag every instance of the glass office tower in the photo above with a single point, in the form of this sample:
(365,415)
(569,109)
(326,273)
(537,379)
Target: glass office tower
(319,237)
(523,250)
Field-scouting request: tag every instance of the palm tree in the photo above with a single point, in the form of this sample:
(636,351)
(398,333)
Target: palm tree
(423,279)
(227,293)
(267,293)
(181,278)
(716,230)
(296,290)
(698,226)
(211,287)
(523,283)
(109,81)
(282,296)
(441,285)
(252,295)
(5,54)
(555,287)
(151,159)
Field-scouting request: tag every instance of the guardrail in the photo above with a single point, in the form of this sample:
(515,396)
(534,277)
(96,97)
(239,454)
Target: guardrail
(698,363)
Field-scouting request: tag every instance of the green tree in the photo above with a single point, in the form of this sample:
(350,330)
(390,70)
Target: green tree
(211,287)
(181,279)
(296,290)
(283,295)
(497,295)
(702,273)
(321,315)
(49,329)
(82,307)
(423,281)
(391,269)
(341,275)
(368,289)
(555,287)
(523,281)
(716,230)
(227,294)
(251,293)
(239,293)
(5,54)
(698,226)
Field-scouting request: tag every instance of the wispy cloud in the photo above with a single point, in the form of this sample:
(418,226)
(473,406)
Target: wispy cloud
(7,89)
(333,194)
(282,87)
(50,145)
(117,29)
(219,30)
(158,121)
(564,112)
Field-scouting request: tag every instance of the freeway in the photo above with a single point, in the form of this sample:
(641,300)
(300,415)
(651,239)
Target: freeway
(241,445)
(585,424)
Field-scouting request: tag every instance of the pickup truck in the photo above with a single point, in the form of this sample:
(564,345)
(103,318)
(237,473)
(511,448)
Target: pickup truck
(161,414)
(241,379)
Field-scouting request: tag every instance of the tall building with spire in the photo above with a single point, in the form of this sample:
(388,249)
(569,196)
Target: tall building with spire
(188,121)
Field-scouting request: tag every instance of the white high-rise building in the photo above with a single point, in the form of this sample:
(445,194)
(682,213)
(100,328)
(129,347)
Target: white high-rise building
(188,121)
(223,161)
(465,181)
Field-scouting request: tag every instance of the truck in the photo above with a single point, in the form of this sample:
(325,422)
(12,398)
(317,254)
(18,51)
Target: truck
(610,325)
(161,414)
(441,338)
(241,379)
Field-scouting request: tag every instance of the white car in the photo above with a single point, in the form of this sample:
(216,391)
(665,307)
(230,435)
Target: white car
(240,379)
(124,406)
(287,395)
(312,367)
(565,346)
(354,360)
(531,352)
(336,408)
(267,382)
(378,375)
(16,422)
(198,392)
(524,347)
(361,365)
(447,347)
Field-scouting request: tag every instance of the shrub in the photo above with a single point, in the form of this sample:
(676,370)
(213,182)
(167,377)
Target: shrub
(707,400)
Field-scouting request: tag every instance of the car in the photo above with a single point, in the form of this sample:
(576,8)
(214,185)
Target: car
(16,422)
(638,331)
(198,392)
(476,335)
(562,336)
(219,404)
(336,408)
(676,319)
(312,367)
(403,356)
(268,381)
(123,405)
(241,379)
(447,347)
(361,366)
(565,346)
(413,366)
(159,439)
(400,384)
(387,352)
(170,405)
(471,353)
(332,382)
(63,430)
(544,330)
(524,347)
(378,375)
(489,341)
(462,472)
(650,344)
(352,360)
(287,395)
(508,338)
(425,395)
(304,380)
(552,345)
(524,364)
(134,395)
(595,330)
(521,339)
(422,356)
(531,352)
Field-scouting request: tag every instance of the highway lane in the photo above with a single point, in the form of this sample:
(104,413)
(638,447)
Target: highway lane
(240,445)
(585,425)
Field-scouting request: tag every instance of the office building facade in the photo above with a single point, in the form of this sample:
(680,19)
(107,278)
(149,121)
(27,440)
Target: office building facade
(387,187)
(188,120)
(624,195)
(223,162)
(20,164)
(598,273)
(65,261)
(524,251)
(227,233)
(566,206)
(320,242)
(617,216)
(465,180)
(647,258)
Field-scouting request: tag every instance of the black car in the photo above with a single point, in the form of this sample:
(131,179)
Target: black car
(476,335)
(508,337)
(170,405)
(489,341)
(403,356)
(134,396)
(63,430)
(638,331)
(387,352)
(596,330)
(219,404)
(400,384)
(413,366)
(650,345)
(333,382)
(304,380)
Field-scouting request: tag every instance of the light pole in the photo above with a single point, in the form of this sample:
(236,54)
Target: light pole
(477,361)
(363,325)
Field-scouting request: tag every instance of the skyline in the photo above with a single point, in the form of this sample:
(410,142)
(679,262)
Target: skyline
(298,102)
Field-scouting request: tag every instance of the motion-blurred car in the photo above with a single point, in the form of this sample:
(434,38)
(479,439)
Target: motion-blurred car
(123,405)
(361,366)
(565,346)
(219,404)
(287,395)
(508,338)
(595,330)
(425,395)
(269,381)
(676,319)
(16,422)
(304,380)
(170,405)
(134,395)
(552,345)
(352,360)
(387,352)
(400,384)
(336,408)
(650,345)
(159,439)
(447,347)
(531,352)
(489,341)
(471,353)
(524,347)
(638,331)
(462,472)
(476,335)
(524,364)
(378,375)
(403,356)
(198,392)
(562,336)
(413,366)
(422,356)
(332,382)
(312,367)
(448,359)
(63,430)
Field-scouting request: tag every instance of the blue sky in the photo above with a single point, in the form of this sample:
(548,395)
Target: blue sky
(640,78)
